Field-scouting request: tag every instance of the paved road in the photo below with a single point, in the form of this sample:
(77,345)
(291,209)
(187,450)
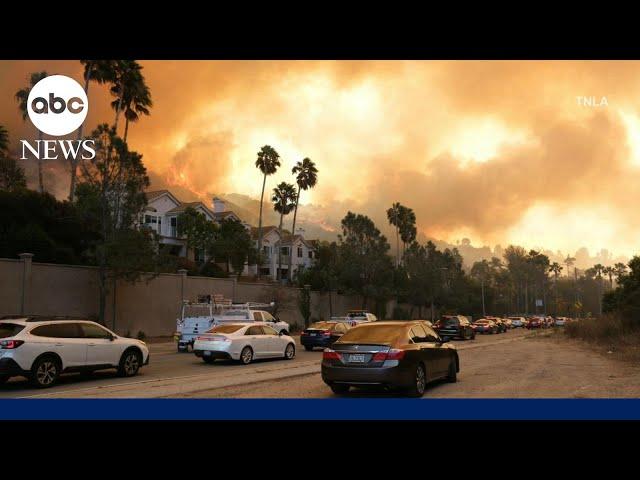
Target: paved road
(534,367)
(172,374)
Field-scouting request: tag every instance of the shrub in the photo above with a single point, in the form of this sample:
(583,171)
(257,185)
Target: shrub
(141,335)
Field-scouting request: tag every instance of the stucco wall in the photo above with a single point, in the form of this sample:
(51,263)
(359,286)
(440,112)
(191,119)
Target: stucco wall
(150,305)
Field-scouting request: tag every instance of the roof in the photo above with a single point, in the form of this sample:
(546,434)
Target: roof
(266,230)
(183,206)
(155,194)
(225,215)
(292,239)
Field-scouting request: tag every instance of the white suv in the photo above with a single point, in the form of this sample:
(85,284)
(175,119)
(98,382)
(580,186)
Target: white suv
(41,348)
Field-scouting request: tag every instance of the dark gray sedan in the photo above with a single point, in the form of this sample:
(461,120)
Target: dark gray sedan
(392,354)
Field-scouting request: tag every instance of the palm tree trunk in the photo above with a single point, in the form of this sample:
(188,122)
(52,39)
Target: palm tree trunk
(115,125)
(279,275)
(264,181)
(293,232)
(126,129)
(484,312)
(40,181)
(397,243)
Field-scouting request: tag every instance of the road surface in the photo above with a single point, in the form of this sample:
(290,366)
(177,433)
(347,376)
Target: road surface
(518,364)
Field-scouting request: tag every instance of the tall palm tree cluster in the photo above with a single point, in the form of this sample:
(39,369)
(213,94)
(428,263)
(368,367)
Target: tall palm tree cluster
(404,221)
(132,97)
(285,197)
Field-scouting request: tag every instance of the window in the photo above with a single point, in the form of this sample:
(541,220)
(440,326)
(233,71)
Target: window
(257,316)
(173,227)
(418,335)
(432,336)
(268,317)
(268,330)
(284,250)
(10,329)
(386,334)
(58,330)
(266,250)
(299,252)
(94,331)
(310,253)
(254,331)
(225,329)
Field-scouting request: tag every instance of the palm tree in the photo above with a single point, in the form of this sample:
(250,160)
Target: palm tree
(393,215)
(100,71)
(22,96)
(609,271)
(126,79)
(268,162)
(136,101)
(408,231)
(4,140)
(284,198)
(569,262)
(620,269)
(598,270)
(556,268)
(306,177)
(482,271)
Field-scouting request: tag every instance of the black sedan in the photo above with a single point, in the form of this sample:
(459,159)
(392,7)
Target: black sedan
(455,326)
(322,334)
(392,354)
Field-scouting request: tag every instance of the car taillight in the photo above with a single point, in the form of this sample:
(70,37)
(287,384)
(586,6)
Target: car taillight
(10,344)
(393,354)
(329,354)
(303,333)
(326,333)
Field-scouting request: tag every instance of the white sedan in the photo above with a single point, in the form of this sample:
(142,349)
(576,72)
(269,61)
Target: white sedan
(244,342)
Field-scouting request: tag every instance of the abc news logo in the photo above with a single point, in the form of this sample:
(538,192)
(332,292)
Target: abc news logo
(57,105)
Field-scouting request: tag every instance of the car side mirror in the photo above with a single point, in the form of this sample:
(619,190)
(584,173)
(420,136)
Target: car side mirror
(280,333)
(112,338)
(443,340)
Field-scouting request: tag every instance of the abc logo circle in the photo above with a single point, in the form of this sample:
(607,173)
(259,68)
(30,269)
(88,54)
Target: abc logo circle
(57,105)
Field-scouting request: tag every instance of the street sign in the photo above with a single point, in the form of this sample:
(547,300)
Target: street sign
(539,303)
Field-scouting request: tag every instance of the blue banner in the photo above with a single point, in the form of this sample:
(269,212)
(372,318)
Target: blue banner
(320,409)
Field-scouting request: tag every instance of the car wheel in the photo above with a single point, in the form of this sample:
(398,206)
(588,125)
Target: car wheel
(308,348)
(3,379)
(339,389)
(208,360)
(129,363)
(246,356)
(452,377)
(290,351)
(420,382)
(45,372)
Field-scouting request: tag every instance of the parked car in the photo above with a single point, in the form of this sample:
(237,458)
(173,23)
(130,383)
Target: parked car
(455,326)
(392,354)
(43,348)
(535,322)
(199,317)
(518,322)
(500,324)
(322,334)
(245,342)
(560,321)
(484,325)
(508,323)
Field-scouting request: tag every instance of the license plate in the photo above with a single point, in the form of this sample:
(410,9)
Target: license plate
(206,354)
(356,358)
(312,334)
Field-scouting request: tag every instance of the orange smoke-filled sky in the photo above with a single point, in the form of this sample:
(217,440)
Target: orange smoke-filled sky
(496,151)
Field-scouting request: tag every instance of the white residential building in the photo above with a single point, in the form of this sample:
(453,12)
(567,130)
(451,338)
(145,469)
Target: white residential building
(161,215)
(303,252)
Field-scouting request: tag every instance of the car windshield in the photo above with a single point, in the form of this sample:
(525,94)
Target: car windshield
(449,322)
(225,329)
(374,334)
(322,325)
(356,314)
(481,322)
(10,329)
